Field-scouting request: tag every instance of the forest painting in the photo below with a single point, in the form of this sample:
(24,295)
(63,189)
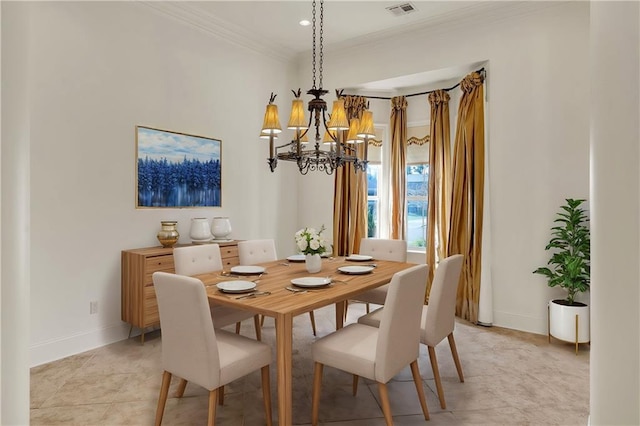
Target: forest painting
(177,170)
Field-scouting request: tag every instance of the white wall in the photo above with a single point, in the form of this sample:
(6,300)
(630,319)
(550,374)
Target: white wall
(538,95)
(101,68)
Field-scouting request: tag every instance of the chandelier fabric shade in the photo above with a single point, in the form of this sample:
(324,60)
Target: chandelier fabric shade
(340,133)
(271,123)
(297,121)
(338,119)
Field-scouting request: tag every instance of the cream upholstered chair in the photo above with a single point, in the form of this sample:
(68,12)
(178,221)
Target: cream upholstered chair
(378,353)
(200,259)
(251,252)
(381,249)
(194,351)
(438,318)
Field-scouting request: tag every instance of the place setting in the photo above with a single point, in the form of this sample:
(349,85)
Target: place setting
(356,269)
(246,289)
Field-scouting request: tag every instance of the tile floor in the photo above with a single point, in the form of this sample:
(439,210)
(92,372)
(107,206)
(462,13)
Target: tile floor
(511,378)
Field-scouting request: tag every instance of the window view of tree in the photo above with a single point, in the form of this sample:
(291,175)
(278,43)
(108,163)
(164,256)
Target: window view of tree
(417,199)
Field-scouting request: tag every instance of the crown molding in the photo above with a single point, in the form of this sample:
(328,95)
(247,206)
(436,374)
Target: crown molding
(219,28)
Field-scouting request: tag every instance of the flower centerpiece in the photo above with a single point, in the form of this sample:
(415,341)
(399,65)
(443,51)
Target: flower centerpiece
(311,243)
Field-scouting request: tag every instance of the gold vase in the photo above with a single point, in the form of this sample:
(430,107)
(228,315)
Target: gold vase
(168,235)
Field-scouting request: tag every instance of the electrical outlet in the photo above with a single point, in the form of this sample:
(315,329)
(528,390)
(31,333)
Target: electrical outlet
(93,307)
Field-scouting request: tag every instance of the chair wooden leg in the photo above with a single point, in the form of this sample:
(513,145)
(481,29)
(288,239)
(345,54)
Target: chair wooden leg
(355,384)
(237,328)
(266,393)
(162,400)
(436,375)
(367,307)
(456,360)
(213,396)
(346,309)
(315,398)
(415,371)
(256,323)
(312,317)
(261,320)
(181,387)
(221,395)
(384,400)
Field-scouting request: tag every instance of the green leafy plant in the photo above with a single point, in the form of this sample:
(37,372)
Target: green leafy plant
(570,263)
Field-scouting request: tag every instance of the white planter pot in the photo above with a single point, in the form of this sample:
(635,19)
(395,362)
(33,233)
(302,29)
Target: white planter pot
(569,323)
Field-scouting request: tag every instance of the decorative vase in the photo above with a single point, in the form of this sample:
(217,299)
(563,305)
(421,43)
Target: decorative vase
(313,262)
(200,229)
(220,228)
(168,235)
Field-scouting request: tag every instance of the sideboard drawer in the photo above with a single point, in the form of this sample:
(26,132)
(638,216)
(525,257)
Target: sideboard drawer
(228,251)
(155,264)
(139,306)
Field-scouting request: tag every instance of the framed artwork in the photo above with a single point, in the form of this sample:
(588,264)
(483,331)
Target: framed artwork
(176,170)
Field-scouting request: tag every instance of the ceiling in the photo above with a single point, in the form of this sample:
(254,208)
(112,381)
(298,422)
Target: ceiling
(272,27)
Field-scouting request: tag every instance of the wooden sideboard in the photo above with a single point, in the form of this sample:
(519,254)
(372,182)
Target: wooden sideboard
(139,304)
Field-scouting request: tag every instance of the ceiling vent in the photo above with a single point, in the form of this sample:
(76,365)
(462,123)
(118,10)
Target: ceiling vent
(402,9)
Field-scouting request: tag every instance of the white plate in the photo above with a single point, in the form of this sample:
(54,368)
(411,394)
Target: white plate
(236,286)
(247,270)
(359,257)
(296,258)
(355,269)
(311,281)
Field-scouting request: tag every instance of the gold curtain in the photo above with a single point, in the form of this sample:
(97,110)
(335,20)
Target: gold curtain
(398,165)
(439,206)
(350,194)
(465,234)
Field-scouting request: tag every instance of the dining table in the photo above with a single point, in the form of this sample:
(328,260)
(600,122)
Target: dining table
(276,296)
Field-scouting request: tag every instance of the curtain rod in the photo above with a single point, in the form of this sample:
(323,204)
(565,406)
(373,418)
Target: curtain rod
(481,70)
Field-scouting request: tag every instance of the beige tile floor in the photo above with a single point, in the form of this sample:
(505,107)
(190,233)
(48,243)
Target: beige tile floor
(511,378)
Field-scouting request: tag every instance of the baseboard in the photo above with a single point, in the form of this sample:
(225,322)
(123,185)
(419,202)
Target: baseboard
(520,322)
(55,349)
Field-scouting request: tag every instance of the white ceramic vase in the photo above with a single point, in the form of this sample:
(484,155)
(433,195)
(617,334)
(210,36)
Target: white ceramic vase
(199,230)
(313,262)
(220,228)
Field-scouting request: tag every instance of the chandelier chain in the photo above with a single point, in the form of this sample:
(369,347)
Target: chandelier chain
(321,37)
(314,46)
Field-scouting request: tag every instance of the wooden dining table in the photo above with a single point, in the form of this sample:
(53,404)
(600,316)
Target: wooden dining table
(283,304)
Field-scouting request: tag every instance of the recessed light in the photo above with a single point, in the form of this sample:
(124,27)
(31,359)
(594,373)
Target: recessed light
(305,23)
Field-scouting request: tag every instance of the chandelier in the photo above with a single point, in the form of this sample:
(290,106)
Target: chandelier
(341,135)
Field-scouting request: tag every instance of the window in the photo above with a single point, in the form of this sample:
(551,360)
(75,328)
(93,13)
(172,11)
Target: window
(374,189)
(417,194)
(417,189)
(416,205)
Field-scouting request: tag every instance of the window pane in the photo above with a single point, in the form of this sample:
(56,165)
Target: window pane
(417,180)
(416,223)
(417,200)
(373,172)
(372,218)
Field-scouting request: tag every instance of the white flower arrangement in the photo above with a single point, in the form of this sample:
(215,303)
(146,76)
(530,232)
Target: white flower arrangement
(310,241)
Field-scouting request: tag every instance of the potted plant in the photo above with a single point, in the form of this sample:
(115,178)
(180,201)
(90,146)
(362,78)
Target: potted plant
(569,268)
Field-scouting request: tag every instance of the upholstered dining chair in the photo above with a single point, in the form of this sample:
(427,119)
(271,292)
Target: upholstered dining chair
(251,252)
(438,317)
(200,259)
(381,249)
(378,353)
(196,352)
